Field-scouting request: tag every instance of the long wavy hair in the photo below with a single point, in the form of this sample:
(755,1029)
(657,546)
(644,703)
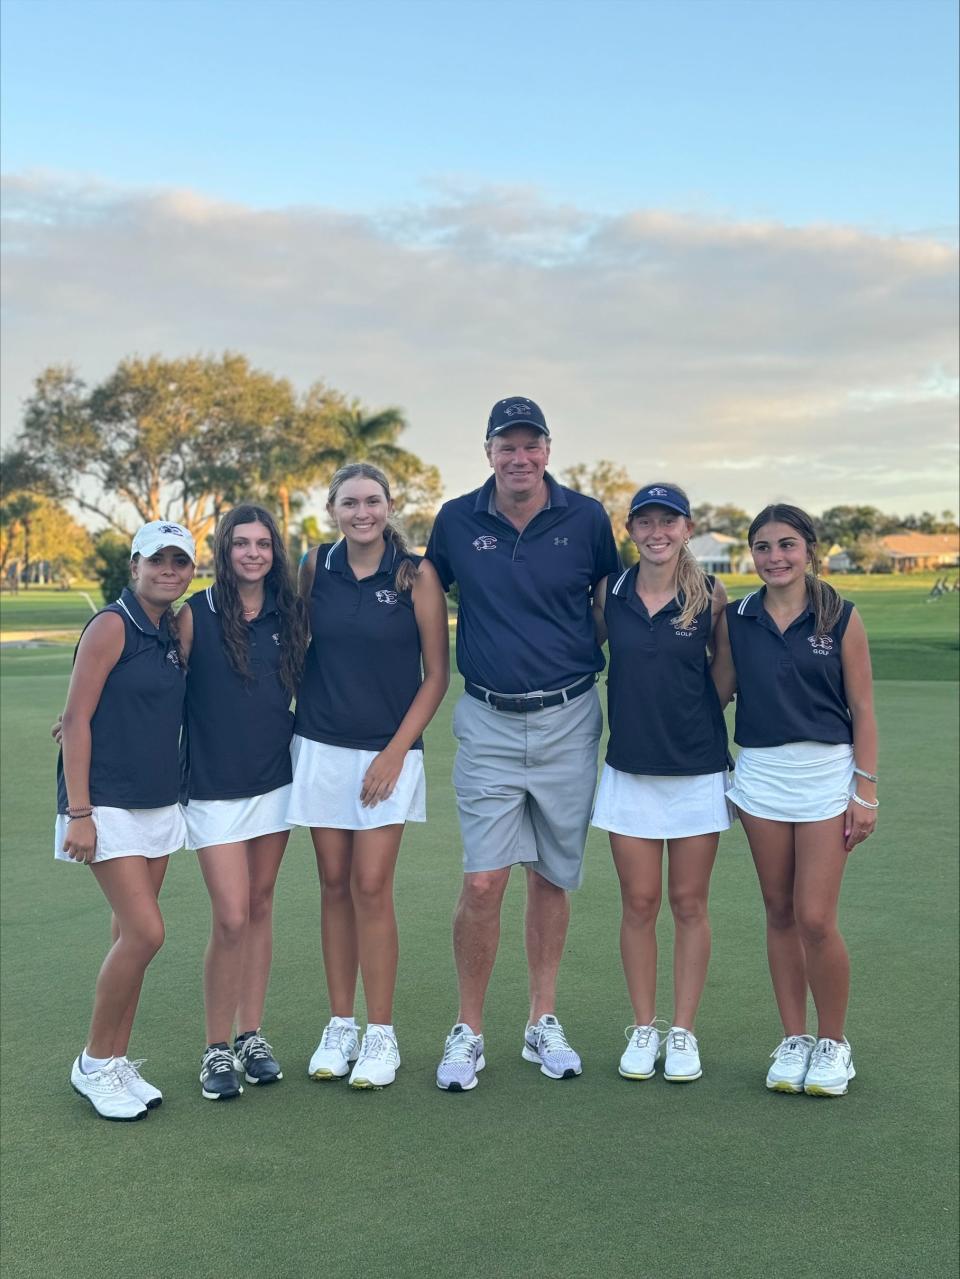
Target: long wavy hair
(824,600)
(406,569)
(294,634)
(691,586)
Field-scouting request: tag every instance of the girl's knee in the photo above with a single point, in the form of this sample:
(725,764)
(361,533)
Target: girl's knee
(780,914)
(638,906)
(816,927)
(688,908)
(230,926)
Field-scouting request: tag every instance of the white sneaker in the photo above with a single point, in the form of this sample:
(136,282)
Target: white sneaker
(547,1044)
(462,1058)
(336,1051)
(378,1061)
(106,1093)
(643,1047)
(791,1058)
(135,1083)
(831,1069)
(682,1061)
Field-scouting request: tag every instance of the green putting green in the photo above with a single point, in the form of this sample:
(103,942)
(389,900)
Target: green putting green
(593,1176)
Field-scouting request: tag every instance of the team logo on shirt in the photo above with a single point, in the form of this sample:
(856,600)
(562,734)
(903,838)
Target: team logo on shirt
(822,645)
(684,632)
(276,638)
(486,542)
(172,657)
(386,597)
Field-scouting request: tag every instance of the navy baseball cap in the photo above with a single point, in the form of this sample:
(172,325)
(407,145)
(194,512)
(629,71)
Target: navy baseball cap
(660,495)
(516,410)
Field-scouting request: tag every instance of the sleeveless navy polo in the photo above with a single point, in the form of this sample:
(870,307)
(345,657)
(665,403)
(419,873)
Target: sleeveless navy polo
(135,730)
(664,713)
(237,735)
(524,621)
(363,664)
(789,686)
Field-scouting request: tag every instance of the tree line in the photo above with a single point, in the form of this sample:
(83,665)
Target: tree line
(185,439)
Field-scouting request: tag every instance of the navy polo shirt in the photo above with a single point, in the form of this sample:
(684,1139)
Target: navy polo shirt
(663,709)
(790,685)
(363,664)
(237,734)
(135,730)
(524,622)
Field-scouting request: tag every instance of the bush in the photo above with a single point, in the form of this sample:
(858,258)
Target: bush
(111,564)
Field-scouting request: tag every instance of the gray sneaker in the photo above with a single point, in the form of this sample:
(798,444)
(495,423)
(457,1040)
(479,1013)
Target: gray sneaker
(462,1059)
(546,1044)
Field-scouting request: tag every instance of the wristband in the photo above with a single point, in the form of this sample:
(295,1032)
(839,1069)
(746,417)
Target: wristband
(864,803)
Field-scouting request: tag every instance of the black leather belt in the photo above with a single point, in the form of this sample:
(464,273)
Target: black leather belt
(529,701)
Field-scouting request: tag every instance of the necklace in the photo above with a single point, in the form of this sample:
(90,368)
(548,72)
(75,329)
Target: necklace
(252,612)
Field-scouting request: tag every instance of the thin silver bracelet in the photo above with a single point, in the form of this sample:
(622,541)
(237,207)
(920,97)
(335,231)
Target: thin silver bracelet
(864,803)
(869,777)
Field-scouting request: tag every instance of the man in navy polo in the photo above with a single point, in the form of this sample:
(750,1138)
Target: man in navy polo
(526,554)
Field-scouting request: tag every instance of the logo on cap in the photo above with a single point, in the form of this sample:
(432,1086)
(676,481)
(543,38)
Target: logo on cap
(657,492)
(517,408)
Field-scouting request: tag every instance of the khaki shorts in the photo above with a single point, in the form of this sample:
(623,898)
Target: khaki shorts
(525,785)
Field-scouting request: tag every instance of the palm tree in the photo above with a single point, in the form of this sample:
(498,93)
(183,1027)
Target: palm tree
(370,437)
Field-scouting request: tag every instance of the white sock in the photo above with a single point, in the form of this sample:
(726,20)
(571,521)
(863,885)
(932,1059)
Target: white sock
(345,1021)
(384,1026)
(89,1064)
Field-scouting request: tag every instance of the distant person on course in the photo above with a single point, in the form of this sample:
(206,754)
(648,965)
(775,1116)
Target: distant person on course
(526,554)
(245,638)
(376,671)
(665,774)
(806,783)
(118,785)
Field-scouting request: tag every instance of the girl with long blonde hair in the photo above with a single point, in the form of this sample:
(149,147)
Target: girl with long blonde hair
(664,778)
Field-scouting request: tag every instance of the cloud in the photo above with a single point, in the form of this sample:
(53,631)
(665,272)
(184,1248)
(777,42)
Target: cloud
(746,360)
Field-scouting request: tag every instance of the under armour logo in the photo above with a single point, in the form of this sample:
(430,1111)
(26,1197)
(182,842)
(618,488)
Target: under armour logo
(486,542)
(560,541)
(656,492)
(517,408)
(386,597)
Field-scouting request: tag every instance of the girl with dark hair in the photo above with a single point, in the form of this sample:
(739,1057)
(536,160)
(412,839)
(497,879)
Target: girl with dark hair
(245,638)
(806,783)
(665,773)
(375,673)
(117,791)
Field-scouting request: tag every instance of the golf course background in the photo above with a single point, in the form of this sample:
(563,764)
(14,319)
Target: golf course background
(595,1176)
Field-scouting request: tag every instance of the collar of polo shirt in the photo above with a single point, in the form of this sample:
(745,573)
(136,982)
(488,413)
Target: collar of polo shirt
(336,558)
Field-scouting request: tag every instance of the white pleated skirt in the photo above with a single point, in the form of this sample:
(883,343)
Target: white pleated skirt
(648,807)
(232,821)
(798,782)
(326,788)
(129,832)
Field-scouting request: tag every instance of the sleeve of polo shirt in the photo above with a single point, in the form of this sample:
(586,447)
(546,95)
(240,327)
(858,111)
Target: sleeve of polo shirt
(606,555)
(436,552)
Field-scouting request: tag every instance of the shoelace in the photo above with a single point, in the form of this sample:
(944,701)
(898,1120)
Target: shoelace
(459,1048)
(826,1050)
(552,1037)
(219,1061)
(678,1041)
(129,1070)
(332,1036)
(378,1046)
(644,1033)
(256,1048)
(790,1050)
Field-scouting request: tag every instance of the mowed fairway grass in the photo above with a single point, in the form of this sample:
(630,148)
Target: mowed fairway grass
(523,1176)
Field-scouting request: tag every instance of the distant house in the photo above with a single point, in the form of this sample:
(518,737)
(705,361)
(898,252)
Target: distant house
(720,553)
(911,552)
(838,560)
